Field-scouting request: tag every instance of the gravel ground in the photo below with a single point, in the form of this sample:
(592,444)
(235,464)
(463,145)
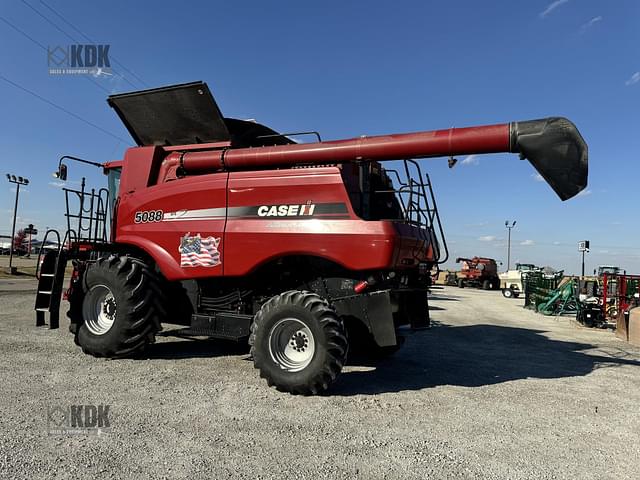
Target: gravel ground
(491,391)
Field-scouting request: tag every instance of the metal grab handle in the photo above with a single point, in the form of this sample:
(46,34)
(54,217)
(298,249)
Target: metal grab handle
(44,242)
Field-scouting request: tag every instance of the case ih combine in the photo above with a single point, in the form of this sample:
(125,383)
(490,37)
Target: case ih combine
(237,232)
(479,272)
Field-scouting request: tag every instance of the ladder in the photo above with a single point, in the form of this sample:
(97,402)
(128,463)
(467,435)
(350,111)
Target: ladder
(50,274)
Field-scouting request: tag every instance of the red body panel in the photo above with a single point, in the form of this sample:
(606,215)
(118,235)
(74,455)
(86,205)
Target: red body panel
(139,166)
(248,241)
(212,210)
(350,241)
(161,240)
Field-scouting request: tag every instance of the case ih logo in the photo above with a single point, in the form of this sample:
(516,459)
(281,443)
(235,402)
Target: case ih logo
(78,419)
(286,210)
(79,60)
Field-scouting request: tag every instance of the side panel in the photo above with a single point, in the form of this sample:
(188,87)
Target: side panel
(270,214)
(413,245)
(140,164)
(267,220)
(180,224)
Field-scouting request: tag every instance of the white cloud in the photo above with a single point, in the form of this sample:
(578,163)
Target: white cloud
(487,238)
(584,193)
(551,7)
(537,177)
(635,78)
(476,225)
(471,160)
(527,243)
(557,243)
(61,184)
(590,23)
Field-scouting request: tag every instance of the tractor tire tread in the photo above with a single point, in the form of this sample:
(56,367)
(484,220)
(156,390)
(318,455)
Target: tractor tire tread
(137,286)
(330,324)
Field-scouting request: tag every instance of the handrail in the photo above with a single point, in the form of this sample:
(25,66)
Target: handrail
(44,242)
(92,213)
(437,217)
(418,206)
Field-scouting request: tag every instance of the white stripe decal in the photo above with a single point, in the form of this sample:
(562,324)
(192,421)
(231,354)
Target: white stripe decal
(192,218)
(201,214)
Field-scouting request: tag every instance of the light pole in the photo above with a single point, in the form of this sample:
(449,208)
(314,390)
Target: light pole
(18,181)
(583,246)
(509,227)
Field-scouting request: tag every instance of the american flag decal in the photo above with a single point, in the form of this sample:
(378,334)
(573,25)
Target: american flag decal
(196,251)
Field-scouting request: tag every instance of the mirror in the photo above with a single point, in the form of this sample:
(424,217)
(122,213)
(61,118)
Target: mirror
(61,173)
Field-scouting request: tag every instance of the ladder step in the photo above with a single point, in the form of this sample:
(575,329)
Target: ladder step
(47,275)
(42,309)
(45,292)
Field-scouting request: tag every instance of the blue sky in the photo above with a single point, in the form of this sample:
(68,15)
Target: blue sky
(353,68)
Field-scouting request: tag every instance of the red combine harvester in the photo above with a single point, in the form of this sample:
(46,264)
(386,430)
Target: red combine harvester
(237,232)
(479,272)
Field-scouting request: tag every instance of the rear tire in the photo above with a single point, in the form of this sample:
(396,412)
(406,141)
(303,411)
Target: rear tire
(460,283)
(486,285)
(298,342)
(119,308)
(507,293)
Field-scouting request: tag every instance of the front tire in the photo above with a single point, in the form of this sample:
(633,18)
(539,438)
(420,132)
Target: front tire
(120,308)
(507,293)
(298,342)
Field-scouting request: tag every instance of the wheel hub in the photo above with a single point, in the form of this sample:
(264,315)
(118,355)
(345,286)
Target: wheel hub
(109,308)
(291,344)
(299,341)
(99,309)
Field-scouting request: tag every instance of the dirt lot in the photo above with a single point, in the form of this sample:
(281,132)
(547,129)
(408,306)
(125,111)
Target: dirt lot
(491,391)
(26,265)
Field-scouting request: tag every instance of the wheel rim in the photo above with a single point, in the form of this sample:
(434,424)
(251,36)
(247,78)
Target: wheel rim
(99,309)
(291,344)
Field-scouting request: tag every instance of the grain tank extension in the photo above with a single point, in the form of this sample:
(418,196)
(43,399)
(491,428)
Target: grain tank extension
(234,231)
